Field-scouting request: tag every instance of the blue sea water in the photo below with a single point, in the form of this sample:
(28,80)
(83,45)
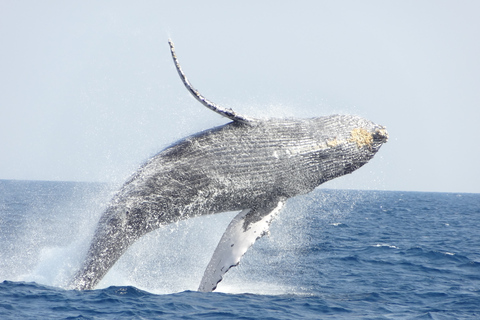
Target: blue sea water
(331,254)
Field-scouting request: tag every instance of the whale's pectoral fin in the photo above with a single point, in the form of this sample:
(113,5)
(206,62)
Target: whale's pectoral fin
(226,112)
(248,226)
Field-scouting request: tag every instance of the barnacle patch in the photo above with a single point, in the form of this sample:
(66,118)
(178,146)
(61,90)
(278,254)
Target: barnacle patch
(361,137)
(333,143)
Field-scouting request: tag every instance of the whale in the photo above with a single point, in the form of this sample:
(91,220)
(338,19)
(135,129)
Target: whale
(249,165)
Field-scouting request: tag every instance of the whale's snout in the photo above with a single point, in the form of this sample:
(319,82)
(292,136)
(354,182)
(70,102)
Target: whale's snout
(380,135)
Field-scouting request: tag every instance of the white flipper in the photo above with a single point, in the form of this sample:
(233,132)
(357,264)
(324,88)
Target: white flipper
(248,226)
(229,113)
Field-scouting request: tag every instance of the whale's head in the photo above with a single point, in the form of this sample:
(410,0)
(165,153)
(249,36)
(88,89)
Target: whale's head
(341,144)
(352,132)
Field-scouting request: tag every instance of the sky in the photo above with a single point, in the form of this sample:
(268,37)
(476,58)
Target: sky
(88,91)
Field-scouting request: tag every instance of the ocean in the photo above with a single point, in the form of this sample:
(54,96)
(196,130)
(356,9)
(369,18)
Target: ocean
(331,254)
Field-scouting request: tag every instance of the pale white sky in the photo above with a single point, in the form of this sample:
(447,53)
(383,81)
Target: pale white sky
(88,90)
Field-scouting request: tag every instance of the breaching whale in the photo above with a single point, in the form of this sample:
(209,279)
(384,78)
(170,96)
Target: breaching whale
(248,165)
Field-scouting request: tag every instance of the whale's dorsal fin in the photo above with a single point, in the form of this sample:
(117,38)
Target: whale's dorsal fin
(229,113)
(247,226)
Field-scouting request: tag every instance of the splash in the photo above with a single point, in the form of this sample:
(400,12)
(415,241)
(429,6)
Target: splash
(51,225)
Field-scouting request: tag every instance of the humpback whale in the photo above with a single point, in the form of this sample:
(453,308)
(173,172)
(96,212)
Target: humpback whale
(249,165)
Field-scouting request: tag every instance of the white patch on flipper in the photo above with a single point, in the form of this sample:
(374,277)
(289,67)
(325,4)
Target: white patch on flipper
(233,245)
